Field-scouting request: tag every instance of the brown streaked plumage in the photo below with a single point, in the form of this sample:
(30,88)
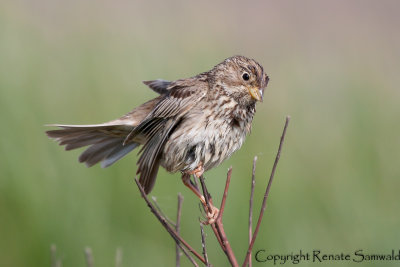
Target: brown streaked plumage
(191,127)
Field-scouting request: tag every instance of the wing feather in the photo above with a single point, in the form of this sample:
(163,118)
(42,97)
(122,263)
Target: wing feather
(158,126)
(159,86)
(149,160)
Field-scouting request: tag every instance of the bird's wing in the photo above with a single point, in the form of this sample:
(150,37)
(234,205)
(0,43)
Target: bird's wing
(159,86)
(159,125)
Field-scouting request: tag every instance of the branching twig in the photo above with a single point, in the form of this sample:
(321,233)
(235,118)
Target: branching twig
(253,183)
(178,229)
(178,239)
(218,226)
(264,203)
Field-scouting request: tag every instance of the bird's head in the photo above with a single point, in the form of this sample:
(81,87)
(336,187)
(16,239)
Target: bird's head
(241,78)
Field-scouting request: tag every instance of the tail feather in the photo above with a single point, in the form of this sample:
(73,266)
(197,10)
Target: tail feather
(105,142)
(82,142)
(97,152)
(118,153)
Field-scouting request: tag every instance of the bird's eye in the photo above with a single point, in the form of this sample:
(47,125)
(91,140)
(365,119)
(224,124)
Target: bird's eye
(246,76)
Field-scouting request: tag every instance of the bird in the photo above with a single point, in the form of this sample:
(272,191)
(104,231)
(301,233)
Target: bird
(193,125)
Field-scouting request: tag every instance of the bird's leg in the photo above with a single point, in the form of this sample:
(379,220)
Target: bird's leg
(186,181)
(212,211)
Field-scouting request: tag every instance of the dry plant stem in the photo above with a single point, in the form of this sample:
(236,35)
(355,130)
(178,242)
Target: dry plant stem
(225,195)
(178,229)
(118,257)
(264,203)
(195,181)
(188,256)
(253,183)
(53,251)
(172,224)
(89,257)
(214,228)
(207,199)
(177,226)
(218,226)
(54,261)
(160,211)
(178,239)
(206,195)
(203,244)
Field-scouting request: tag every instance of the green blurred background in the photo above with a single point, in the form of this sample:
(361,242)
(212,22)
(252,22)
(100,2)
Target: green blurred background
(334,67)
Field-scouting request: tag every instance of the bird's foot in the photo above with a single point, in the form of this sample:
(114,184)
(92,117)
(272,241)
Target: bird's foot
(212,215)
(198,171)
(212,212)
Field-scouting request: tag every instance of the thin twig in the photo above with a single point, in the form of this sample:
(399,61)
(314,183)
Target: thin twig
(220,226)
(178,228)
(215,230)
(206,197)
(89,257)
(203,244)
(194,181)
(178,239)
(118,257)
(188,255)
(178,244)
(253,183)
(264,203)
(171,222)
(224,196)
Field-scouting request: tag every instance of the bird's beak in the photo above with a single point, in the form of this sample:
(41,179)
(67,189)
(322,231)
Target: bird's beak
(256,93)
